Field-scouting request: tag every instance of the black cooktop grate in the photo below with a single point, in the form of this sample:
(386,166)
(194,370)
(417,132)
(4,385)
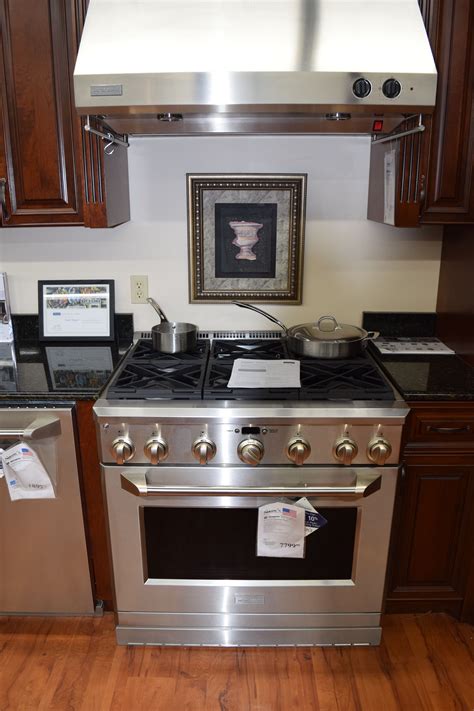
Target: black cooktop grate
(205,372)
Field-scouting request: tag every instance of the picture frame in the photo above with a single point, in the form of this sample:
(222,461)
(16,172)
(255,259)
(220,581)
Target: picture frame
(76,310)
(246,237)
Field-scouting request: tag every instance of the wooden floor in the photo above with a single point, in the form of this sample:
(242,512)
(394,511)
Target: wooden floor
(425,662)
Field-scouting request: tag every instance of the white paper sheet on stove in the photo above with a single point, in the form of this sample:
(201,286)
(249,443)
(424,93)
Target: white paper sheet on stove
(249,373)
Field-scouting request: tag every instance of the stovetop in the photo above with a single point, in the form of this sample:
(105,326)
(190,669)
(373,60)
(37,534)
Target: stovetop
(203,374)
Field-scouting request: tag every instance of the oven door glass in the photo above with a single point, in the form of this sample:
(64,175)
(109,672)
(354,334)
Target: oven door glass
(220,544)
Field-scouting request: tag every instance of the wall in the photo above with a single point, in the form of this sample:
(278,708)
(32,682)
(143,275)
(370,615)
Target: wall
(350,264)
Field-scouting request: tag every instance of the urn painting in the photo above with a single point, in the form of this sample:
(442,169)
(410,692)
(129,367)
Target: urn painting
(246,237)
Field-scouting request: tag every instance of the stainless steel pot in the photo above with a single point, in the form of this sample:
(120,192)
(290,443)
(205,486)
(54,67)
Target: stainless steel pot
(312,340)
(172,336)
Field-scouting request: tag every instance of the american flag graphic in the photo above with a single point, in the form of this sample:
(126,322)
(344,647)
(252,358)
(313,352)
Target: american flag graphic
(288,512)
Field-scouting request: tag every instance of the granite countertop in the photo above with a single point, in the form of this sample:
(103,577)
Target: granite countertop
(427,378)
(36,371)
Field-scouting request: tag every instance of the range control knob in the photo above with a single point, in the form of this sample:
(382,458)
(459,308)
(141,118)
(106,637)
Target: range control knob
(204,450)
(156,450)
(298,450)
(345,449)
(251,451)
(122,449)
(379,450)
(391,88)
(361,88)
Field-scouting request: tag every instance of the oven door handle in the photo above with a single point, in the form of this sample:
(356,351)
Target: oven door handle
(365,485)
(40,428)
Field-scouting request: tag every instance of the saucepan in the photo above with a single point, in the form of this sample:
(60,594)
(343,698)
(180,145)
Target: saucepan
(172,336)
(325,338)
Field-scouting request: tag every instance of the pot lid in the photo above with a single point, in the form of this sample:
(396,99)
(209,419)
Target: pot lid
(327,329)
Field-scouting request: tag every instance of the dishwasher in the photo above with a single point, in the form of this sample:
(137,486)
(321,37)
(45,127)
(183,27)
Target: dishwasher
(44,564)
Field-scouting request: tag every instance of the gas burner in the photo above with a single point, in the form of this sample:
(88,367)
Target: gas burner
(144,350)
(218,375)
(230,350)
(151,380)
(352,379)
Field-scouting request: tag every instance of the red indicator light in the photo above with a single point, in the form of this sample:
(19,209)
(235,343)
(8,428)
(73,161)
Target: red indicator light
(377,126)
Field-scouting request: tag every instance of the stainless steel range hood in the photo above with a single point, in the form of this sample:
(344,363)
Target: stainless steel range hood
(251,66)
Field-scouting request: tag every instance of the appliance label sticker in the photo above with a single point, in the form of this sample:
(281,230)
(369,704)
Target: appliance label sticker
(281,530)
(389,187)
(25,475)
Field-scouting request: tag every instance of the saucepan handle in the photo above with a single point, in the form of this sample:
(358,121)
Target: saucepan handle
(158,310)
(372,335)
(251,307)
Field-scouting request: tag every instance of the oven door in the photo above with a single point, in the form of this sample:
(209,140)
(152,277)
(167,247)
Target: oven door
(182,546)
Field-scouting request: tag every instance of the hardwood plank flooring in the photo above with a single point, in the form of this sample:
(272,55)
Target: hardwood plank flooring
(425,662)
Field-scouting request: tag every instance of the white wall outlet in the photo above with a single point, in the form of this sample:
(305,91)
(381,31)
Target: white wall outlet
(139,289)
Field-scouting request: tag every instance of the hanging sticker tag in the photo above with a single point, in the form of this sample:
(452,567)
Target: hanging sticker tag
(313,519)
(281,530)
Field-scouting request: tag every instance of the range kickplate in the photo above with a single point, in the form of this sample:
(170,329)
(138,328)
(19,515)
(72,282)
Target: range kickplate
(351,379)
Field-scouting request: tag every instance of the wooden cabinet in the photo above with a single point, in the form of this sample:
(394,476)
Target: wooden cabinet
(434,171)
(449,195)
(52,174)
(432,552)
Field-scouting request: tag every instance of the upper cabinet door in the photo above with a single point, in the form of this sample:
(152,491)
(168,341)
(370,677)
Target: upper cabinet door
(450,176)
(40,133)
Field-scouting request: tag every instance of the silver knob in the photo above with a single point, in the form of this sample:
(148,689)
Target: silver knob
(345,450)
(298,450)
(250,451)
(122,449)
(156,450)
(379,450)
(204,450)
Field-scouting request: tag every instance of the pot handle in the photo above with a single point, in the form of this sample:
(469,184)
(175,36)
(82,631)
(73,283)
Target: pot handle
(372,335)
(251,307)
(158,310)
(328,318)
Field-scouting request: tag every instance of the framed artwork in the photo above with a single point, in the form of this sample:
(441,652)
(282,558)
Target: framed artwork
(246,237)
(76,310)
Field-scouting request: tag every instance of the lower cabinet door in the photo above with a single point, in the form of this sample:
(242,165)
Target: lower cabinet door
(432,539)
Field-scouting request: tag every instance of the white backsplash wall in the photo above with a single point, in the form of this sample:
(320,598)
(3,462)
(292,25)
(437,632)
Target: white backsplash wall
(350,264)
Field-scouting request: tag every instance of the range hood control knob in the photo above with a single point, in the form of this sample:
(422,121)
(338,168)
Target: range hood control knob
(204,450)
(391,88)
(251,451)
(298,450)
(361,88)
(379,450)
(345,450)
(156,450)
(122,449)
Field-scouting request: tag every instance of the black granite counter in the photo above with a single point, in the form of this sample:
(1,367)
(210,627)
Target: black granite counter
(420,377)
(34,371)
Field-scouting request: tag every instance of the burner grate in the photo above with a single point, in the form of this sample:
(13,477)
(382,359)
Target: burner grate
(217,377)
(352,379)
(230,350)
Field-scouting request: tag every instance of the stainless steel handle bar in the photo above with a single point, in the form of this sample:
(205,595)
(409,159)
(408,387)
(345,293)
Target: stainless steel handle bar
(137,485)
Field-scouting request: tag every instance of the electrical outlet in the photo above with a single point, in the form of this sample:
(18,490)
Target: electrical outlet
(139,289)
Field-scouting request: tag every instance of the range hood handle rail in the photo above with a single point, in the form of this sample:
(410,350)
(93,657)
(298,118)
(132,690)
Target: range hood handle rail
(394,135)
(108,135)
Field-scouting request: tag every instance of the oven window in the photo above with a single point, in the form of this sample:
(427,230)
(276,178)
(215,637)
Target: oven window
(216,544)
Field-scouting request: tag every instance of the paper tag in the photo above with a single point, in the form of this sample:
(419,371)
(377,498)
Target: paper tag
(313,519)
(25,475)
(2,473)
(250,373)
(281,531)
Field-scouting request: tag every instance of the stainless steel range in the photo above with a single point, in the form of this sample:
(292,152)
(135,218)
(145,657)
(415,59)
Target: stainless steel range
(187,462)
